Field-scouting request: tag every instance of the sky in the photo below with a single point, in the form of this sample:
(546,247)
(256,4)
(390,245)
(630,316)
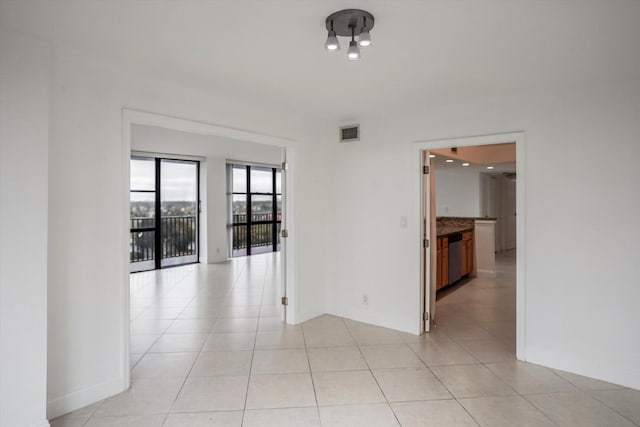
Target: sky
(178,179)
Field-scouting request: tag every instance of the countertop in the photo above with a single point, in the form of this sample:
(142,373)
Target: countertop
(472,218)
(448,230)
(448,225)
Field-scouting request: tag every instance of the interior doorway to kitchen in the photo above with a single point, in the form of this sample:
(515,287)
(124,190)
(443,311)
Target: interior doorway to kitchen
(472,283)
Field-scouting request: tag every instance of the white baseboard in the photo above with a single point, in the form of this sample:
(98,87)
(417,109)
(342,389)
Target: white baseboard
(485,273)
(398,323)
(81,398)
(303,317)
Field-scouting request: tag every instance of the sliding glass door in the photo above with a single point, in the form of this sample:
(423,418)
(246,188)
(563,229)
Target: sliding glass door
(164,207)
(255,207)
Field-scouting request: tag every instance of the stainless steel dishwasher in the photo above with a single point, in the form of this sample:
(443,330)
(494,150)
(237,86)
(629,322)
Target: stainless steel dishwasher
(455,257)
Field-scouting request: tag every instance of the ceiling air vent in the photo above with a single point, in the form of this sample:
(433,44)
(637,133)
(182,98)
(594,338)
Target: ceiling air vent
(350,133)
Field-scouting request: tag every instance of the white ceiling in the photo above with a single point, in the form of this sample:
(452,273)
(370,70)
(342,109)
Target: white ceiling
(440,163)
(425,53)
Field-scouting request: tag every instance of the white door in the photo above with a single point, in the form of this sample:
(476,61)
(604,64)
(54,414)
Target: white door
(283,234)
(510,214)
(428,234)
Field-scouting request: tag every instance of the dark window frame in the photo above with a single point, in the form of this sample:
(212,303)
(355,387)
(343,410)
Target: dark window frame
(276,220)
(157,228)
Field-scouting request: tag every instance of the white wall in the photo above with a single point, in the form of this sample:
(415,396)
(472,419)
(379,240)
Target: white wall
(24,122)
(488,196)
(88,193)
(498,197)
(216,150)
(457,192)
(581,280)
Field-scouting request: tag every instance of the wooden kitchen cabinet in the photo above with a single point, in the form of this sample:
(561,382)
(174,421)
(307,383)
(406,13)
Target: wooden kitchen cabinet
(442,258)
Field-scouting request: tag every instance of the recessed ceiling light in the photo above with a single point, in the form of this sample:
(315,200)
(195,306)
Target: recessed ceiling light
(449,161)
(489,167)
(432,155)
(465,164)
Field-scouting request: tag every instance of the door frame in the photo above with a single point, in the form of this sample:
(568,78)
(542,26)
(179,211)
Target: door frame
(132,116)
(426,302)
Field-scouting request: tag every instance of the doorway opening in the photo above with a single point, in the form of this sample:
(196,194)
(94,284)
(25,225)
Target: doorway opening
(219,295)
(472,273)
(164,200)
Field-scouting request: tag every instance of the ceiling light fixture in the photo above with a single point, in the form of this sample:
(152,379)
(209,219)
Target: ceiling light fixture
(465,164)
(432,155)
(349,23)
(489,167)
(449,161)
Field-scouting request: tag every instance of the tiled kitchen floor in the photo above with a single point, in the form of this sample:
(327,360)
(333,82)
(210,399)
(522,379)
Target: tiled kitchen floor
(208,349)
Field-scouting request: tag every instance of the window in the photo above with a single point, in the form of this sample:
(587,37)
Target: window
(255,209)
(163,212)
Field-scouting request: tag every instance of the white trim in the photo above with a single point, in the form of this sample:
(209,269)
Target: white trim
(425,253)
(289,244)
(257,164)
(169,156)
(86,396)
(485,273)
(395,321)
(148,118)
(498,138)
(44,423)
(126,177)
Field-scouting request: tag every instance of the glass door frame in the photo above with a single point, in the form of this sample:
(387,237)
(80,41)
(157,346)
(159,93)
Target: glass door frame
(157,228)
(275,221)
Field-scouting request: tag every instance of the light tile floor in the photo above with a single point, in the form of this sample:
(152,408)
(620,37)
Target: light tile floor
(209,349)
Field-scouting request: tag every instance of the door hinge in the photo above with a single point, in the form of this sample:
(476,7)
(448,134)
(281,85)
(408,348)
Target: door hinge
(425,316)
(285,233)
(285,166)
(425,170)
(285,301)
(425,243)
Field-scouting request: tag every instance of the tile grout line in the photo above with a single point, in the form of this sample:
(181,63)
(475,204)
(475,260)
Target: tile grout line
(188,374)
(313,383)
(373,375)
(253,352)
(453,396)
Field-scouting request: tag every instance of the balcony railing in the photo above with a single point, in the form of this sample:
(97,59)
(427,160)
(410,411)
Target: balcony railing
(178,237)
(255,217)
(261,232)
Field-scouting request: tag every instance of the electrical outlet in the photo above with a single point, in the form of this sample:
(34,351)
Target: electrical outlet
(365,299)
